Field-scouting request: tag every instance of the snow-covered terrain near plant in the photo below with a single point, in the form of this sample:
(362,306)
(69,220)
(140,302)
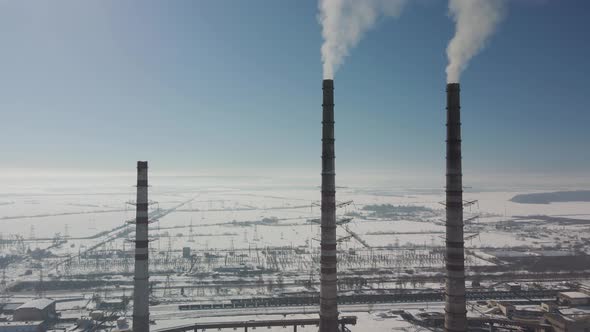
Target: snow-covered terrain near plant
(214,241)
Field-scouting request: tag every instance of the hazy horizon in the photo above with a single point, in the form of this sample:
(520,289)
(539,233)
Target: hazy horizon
(283,178)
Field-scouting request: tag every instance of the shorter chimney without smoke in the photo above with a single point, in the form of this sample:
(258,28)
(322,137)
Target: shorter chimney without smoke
(141,280)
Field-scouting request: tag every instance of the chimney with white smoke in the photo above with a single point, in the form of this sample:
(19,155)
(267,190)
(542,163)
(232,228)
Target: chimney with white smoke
(343,24)
(455,309)
(328,245)
(475,21)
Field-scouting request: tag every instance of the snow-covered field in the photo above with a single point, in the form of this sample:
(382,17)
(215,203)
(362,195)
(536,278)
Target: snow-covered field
(384,233)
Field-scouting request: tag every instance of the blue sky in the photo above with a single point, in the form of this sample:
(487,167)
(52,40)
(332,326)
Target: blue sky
(202,87)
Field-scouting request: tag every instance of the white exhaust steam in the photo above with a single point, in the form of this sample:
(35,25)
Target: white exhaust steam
(343,24)
(475,21)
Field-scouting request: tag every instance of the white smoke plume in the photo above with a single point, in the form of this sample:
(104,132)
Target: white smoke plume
(475,21)
(343,24)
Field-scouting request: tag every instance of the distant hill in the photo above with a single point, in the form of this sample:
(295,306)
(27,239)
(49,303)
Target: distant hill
(553,197)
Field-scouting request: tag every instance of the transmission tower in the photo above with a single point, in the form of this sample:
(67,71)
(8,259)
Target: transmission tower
(41,286)
(167,286)
(3,283)
(191,235)
(169,249)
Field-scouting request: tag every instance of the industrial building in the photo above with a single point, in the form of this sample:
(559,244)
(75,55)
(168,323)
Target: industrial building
(111,304)
(36,310)
(10,308)
(564,323)
(23,326)
(574,298)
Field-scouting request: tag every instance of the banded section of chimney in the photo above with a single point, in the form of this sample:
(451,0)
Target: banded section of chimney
(328,279)
(455,310)
(141,322)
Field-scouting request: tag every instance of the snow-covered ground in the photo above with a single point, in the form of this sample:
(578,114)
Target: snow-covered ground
(384,233)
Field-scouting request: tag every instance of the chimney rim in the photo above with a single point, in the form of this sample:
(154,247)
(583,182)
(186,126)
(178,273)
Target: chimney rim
(453,86)
(142,164)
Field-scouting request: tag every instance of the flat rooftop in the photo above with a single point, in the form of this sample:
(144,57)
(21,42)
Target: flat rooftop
(37,304)
(575,295)
(24,323)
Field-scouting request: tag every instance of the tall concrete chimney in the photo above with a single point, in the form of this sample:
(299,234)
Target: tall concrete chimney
(328,279)
(141,321)
(455,310)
